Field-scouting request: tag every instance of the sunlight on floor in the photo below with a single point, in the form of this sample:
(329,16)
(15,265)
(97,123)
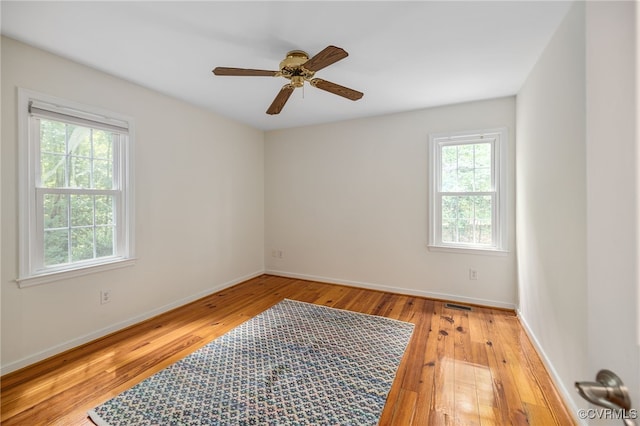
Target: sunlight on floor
(469,390)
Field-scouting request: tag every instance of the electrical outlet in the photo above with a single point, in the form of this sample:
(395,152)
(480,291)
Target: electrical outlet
(278,254)
(473,274)
(105,296)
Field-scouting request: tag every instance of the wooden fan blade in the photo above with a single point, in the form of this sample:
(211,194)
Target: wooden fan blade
(281,98)
(336,89)
(244,72)
(328,56)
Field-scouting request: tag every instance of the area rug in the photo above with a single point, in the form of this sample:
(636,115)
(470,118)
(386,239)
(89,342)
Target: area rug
(296,364)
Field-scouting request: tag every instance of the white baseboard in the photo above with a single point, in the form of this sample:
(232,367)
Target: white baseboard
(566,396)
(411,292)
(31,359)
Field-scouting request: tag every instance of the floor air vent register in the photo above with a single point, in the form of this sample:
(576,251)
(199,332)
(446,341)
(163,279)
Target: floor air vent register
(456,306)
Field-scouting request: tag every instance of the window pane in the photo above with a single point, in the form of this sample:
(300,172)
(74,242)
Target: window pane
(52,136)
(483,209)
(449,231)
(465,231)
(104,241)
(465,180)
(81,244)
(483,217)
(449,219)
(102,174)
(79,140)
(449,180)
(483,234)
(449,156)
(483,180)
(467,219)
(80,172)
(102,144)
(482,155)
(82,210)
(53,170)
(56,211)
(449,207)
(56,247)
(466,156)
(104,210)
(466,168)
(482,167)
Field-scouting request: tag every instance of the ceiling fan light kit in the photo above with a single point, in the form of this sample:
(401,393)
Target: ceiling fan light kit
(298,68)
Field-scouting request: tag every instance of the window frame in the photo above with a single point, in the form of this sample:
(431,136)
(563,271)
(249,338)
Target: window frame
(498,138)
(32,270)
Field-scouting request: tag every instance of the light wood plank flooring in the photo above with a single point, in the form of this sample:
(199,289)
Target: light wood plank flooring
(462,368)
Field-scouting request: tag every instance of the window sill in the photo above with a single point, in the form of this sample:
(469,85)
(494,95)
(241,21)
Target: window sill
(468,250)
(68,274)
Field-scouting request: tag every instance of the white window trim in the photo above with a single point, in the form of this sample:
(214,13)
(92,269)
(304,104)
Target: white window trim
(500,164)
(27,187)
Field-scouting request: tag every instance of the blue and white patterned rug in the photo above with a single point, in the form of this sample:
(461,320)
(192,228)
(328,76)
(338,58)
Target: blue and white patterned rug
(296,363)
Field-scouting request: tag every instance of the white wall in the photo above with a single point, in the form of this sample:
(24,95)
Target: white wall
(613,239)
(347,202)
(551,204)
(576,187)
(199,210)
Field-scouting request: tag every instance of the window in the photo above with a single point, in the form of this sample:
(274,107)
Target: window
(467,196)
(76,206)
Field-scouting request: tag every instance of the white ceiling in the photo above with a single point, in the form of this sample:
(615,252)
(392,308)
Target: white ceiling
(402,55)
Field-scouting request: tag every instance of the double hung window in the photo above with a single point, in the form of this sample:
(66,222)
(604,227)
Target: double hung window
(467,194)
(76,206)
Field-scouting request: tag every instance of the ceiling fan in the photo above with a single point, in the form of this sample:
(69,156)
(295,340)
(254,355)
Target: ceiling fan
(298,68)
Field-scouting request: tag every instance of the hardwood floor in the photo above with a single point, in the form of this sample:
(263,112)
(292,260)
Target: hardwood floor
(463,368)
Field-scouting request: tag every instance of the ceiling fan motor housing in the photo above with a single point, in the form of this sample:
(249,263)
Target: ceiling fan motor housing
(292,69)
(294,59)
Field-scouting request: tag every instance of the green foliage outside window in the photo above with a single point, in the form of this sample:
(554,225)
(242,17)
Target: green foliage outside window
(466,218)
(77,226)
